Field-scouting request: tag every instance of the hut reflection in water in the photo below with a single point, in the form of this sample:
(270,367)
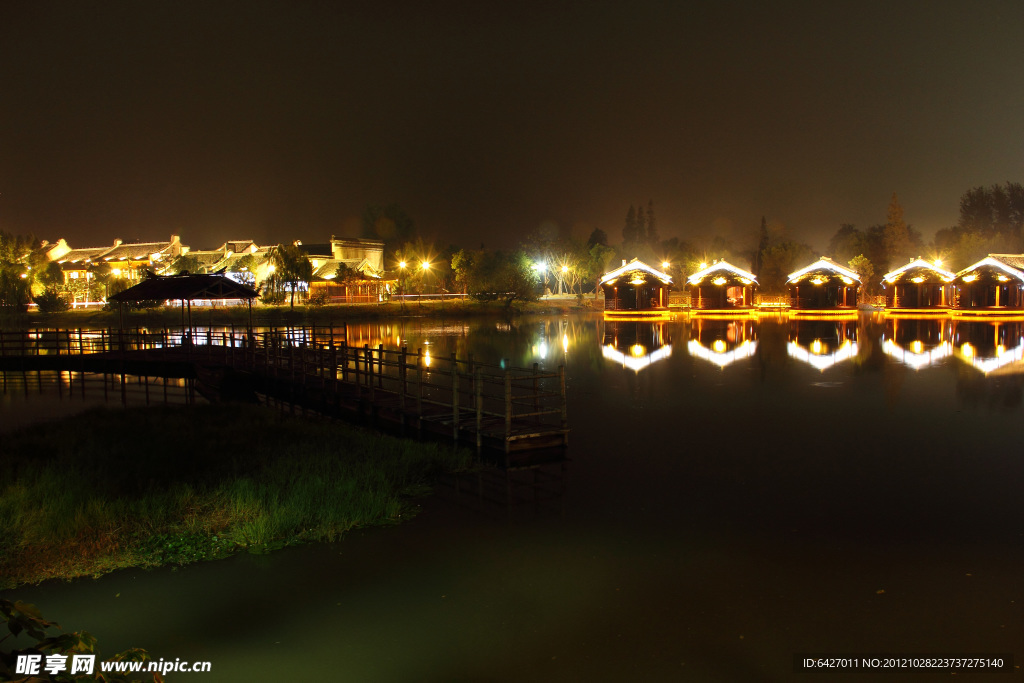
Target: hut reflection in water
(822,343)
(636,344)
(722,342)
(917,342)
(991,347)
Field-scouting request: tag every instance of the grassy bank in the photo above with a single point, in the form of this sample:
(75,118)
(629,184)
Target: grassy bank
(156,486)
(273,316)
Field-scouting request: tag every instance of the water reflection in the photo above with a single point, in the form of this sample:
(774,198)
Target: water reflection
(917,342)
(636,345)
(722,342)
(992,347)
(822,343)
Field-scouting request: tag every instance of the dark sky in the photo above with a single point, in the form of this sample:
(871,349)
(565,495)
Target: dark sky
(277,121)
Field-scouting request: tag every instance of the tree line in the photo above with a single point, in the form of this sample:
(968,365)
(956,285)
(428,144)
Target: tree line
(991,220)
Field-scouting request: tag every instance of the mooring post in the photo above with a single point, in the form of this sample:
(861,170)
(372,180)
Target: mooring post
(508,404)
(455,398)
(565,414)
(368,356)
(536,393)
(419,391)
(380,366)
(344,361)
(478,391)
(402,371)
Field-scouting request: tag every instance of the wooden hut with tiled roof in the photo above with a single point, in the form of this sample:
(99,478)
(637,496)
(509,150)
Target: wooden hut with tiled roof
(993,285)
(918,285)
(635,289)
(823,286)
(722,287)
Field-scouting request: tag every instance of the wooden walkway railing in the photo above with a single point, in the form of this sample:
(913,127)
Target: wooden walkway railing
(511,408)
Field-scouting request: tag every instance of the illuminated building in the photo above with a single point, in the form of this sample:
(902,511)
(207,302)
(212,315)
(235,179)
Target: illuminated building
(918,286)
(722,287)
(635,289)
(823,286)
(993,285)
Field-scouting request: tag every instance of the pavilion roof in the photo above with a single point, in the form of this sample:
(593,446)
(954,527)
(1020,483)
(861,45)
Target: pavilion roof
(917,268)
(636,264)
(990,263)
(722,266)
(826,265)
(185,287)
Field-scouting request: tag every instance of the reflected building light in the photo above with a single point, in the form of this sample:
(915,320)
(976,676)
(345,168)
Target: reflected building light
(634,363)
(565,343)
(1004,357)
(721,358)
(916,357)
(541,349)
(426,358)
(823,361)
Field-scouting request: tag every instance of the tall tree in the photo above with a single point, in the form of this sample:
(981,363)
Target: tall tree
(291,266)
(762,245)
(641,224)
(598,236)
(652,226)
(629,231)
(388,223)
(898,244)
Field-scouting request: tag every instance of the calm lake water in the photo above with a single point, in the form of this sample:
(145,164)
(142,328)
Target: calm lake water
(738,492)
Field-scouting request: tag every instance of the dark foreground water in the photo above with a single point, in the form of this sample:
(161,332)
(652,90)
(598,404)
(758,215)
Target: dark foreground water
(738,492)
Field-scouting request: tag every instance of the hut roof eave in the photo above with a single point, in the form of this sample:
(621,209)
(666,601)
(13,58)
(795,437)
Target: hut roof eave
(827,264)
(894,275)
(636,264)
(990,262)
(185,287)
(697,277)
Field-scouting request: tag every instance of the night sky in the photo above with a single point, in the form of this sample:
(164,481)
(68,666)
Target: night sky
(277,121)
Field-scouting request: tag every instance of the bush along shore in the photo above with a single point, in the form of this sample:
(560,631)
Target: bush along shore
(148,487)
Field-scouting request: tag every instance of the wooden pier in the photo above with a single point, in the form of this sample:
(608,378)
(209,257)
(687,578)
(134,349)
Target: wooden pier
(496,407)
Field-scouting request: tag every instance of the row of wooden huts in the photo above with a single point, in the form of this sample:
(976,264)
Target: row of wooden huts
(994,284)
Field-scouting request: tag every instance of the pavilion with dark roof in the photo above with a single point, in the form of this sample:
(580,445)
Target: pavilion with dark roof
(187,288)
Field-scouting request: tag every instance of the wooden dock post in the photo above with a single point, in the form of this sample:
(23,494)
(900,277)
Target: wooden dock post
(455,398)
(565,414)
(508,405)
(419,391)
(478,391)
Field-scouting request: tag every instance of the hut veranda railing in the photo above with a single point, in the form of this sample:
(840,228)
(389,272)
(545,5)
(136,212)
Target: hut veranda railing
(513,408)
